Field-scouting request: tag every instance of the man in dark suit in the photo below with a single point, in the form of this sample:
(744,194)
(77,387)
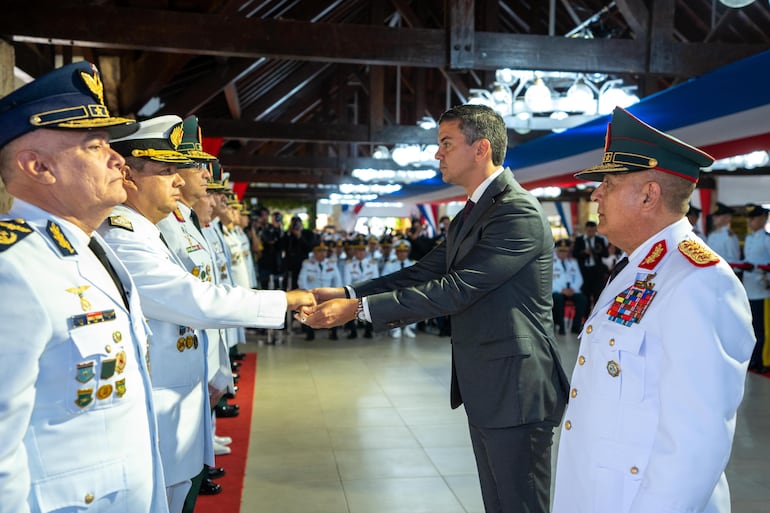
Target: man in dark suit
(589,249)
(493,277)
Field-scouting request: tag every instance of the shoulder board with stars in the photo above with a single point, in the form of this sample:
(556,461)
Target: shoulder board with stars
(121,222)
(698,254)
(62,243)
(12,231)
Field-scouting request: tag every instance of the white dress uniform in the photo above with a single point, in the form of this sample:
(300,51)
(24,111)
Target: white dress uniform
(756,248)
(659,376)
(180,375)
(566,274)
(219,305)
(315,274)
(359,270)
(247,255)
(725,243)
(78,423)
(237,259)
(391,266)
(222,258)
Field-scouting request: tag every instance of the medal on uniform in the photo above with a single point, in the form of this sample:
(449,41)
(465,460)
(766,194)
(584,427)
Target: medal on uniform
(631,304)
(104,392)
(120,362)
(613,368)
(85,304)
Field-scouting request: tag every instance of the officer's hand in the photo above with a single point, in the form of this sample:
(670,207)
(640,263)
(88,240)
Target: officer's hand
(334,312)
(298,298)
(326,293)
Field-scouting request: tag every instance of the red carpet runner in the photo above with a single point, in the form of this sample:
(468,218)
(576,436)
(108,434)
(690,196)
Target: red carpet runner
(237,428)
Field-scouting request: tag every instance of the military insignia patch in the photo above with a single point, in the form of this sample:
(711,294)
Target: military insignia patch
(12,231)
(656,254)
(120,387)
(630,305)
(178,215)
(62,243)
(697,254)
(85,397)
(94,84)
(120,222)
(613,368)
(85,372)
(108,368)
(85,304)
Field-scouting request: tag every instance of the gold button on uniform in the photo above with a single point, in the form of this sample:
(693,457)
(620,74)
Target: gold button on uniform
(589,329)
(581,360)
(108,348)
(612,342)
(573,393)
(89,498)
(568,425)
(634,470)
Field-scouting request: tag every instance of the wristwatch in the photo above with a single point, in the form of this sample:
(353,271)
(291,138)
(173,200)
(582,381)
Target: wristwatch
(360,310)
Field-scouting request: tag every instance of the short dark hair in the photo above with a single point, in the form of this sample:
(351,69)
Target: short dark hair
(480,122)
(591,224)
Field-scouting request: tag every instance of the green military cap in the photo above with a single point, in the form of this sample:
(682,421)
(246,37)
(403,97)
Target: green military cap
(157,139)
(192,141)
(216,183)
(402,246)
(753,210)
(632,145)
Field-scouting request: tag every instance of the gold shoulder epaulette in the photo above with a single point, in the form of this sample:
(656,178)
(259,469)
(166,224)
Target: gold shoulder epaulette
(12,231)
(121,222)
(698,254)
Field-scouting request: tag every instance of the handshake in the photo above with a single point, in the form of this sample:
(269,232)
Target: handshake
(322,307)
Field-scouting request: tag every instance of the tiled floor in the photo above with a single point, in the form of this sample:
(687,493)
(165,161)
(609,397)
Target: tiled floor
(364,426)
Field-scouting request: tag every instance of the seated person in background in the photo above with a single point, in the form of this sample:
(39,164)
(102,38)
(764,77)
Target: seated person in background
(567,281)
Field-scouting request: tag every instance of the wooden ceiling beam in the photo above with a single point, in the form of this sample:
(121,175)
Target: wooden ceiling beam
(316,132)
(203,34)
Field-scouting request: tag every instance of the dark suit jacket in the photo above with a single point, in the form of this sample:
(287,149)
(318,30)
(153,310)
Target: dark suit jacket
(493,276)
(600,250)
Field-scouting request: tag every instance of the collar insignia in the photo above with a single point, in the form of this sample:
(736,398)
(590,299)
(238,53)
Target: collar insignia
(656,254)
(62,243)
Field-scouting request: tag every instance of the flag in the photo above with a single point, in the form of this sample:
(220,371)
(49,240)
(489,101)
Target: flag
(349,215)
(429,215)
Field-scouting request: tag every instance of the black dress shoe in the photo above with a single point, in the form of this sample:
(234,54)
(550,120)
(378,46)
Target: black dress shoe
(235,366)
(209,487)
(226,411)
(238,356)
(215,472)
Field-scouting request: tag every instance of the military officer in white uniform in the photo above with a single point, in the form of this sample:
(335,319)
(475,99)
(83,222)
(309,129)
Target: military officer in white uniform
(179,378)
(722,239)
(319,271)
(662,359)
(567,283)
(757,252)
(78,423)
(359,268)
(399,261)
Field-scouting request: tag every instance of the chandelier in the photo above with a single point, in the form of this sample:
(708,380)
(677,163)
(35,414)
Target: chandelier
(552,100)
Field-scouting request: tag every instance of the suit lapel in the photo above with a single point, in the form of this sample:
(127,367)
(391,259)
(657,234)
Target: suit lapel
(460,228)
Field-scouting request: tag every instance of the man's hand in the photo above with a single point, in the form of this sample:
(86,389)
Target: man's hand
(298,298)
(334,312)
(327,293)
